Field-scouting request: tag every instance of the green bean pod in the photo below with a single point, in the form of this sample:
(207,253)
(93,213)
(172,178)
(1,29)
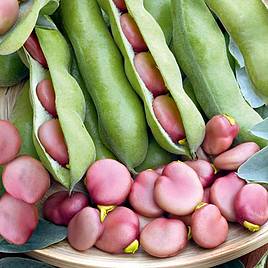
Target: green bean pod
(12,70)
(161,12)
(70,106)
(200,49)
(91,117)
(156,157)
(247,23)
(121,119)
(29,11)
(166,63)
(22,118)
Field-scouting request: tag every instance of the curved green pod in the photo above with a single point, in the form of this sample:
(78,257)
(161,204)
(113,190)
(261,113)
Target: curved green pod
(121,119)
(247,23)
(91,117)
(155,40)
(12,70)
(200,50)
(22,117)
(161,12)
(29,11)
(70,105)
(156,157)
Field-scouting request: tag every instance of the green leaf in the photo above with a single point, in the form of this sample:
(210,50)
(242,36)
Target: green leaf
(232,264)
(263,263)
(255,169)
(46,234)
(263,111)
(11,262)
(265,2)
(261,129)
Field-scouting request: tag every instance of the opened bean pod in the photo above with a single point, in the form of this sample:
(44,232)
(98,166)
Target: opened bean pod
(253,41)
(108,183)
(153,72)
(200,49)
(17,21)
(122,125)
(63,144)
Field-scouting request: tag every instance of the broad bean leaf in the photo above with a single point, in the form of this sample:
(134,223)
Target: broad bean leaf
(46,234)
(11,262)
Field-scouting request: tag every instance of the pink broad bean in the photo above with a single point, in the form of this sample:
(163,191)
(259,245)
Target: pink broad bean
(141,195)
(120,233)
(143,221)
(149,73)
(9,12)
(251,206)
(178,191)
(204,170)
(168,115)
(51,137)
(206,196)
(159,170)
(235,157)
(108,183)
(10,142)
(18,219)
(221,130)
(84,229)
(164,237)
(61,206)
(26,179)
(132,33)
(209,228)
(46,95)
(223,193)
(33,48)
(185,219)
(120,4)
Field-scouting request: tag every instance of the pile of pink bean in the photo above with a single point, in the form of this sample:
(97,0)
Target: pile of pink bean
(162,209)
(25,181)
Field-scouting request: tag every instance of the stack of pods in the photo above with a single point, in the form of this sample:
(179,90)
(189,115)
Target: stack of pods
(25,181)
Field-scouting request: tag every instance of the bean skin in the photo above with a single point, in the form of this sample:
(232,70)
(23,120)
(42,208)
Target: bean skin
(132,33)
(149,73)
(204,170)
(51,137)
(120,4)
(172,234)
(46,96)
(179,190)
(10,142)
(235,157)
(121,228)
(33,47)
(141,196)
(169,117)
(18,219)
(206,196)
(220,134)
(61,206)
(251,206)
(108,182)
(25,178)
(223,193)
(9,12)
(84,229)
(209,227)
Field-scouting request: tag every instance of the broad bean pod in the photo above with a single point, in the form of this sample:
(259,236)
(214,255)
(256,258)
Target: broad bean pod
(121,120)
(29,11)
(70,106)
(252,40)
(12,70)
(22,118)
(200,49)
(166,63)
(91,117)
